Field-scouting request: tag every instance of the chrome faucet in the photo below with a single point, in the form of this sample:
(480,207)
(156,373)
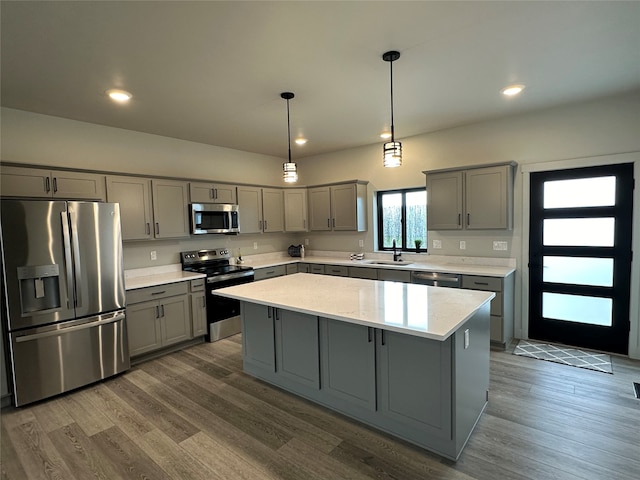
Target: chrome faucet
(397,256)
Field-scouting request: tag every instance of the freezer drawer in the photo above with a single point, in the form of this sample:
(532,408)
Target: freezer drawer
(58,358)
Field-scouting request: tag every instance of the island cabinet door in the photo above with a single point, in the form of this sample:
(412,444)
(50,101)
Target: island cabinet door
(258,336)
(297,350)
(414,383)
(348,361)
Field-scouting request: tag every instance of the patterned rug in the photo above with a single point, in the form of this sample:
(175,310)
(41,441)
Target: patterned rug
(600,362)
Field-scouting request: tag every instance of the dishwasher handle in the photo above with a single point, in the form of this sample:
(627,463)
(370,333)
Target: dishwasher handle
(433,278)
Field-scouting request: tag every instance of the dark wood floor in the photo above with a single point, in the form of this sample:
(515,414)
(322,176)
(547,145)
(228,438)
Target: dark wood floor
(195,415)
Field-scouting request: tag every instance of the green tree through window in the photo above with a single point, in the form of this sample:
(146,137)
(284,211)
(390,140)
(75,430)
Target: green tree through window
(402,216)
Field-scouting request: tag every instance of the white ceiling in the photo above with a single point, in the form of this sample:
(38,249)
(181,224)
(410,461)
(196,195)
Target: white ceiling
(212,72)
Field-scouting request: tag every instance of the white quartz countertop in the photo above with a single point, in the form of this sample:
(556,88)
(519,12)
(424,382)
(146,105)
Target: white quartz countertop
(431,312)
(152,279)
(425,266)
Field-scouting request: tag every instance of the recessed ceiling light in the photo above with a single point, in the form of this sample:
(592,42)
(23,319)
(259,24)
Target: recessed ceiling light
(119,96)
(301,141)
(385,135)
(511,90)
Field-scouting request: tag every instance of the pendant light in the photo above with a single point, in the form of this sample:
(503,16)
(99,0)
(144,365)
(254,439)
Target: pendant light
(289,169)
(392,151)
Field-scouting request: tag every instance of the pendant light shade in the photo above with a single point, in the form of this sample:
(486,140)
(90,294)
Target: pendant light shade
(391,151)
(289,169)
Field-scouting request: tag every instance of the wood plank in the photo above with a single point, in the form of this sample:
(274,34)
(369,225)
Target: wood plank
(126,457)
(82,455)
(10,466)
(171,423)
(52,415)
(89,419)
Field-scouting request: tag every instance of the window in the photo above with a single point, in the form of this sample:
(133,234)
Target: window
(402,216)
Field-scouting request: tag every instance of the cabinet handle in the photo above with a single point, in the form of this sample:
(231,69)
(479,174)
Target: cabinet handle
(157,311)
(268,312)
(468,219)
(382,337)
(265,226)
(47,185)
(334,223)
(162,307)
(328,223)
(369,334)
(204,302)
(159,293)
(157,228)
(276,313)
(212,193)
(148,229)
(459,219)
(481,283)
(259,224)
(55,184)
(215,193)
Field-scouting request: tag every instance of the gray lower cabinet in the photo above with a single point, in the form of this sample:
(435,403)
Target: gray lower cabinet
(336,270)
(269,272)
(502,306)
(198,307)
(394,275)
(414,382)
(292,268)
(281,345)
(348,357)
(157,317)
(316,268)
(303,268)
(363,272)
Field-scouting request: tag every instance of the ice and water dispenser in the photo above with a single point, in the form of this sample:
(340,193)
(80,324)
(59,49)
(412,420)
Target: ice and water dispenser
(39,288)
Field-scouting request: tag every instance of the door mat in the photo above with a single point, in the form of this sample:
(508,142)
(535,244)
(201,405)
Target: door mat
(600,362)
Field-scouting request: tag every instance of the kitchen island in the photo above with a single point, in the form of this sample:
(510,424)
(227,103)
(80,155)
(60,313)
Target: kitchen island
(407,359)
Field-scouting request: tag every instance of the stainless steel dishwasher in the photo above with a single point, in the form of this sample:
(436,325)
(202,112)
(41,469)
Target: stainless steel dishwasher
(437,279)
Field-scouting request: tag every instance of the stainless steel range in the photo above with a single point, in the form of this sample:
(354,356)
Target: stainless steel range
(223,314)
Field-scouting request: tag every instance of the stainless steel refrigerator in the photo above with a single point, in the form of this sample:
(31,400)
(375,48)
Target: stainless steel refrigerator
(63,295)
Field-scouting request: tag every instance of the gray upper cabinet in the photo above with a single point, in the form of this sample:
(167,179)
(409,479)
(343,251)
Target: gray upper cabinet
(212,193)
(134,196)
(295,210)
(170,208)
(339,207)
(472,199)
(260,209)
(41,183)
(150,208)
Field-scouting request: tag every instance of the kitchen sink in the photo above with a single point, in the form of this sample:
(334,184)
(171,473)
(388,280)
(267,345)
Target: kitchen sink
(387,262)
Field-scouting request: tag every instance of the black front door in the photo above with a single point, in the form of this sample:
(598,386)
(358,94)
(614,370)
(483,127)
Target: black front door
(580,256)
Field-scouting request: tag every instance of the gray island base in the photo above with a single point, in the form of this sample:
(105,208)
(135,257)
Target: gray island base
(410,360)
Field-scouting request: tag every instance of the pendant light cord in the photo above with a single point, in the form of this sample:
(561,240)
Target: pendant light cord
(289,130)
(391,70)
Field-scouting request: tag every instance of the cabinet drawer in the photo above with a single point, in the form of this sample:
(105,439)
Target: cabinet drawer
(394,275)
(473,282)
(270,272)
(336,270)
(363,272)
(316,269)
(197,285)
(155,293)
(292,268)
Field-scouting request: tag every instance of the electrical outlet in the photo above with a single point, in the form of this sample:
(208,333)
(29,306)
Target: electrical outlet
(255,245)
(437,244)
(361,243)
(463,245)
(500,245)
(154,255)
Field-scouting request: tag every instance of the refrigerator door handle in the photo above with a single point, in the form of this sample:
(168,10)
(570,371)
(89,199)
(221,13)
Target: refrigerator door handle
(66,236)
(26,338)
(76,259)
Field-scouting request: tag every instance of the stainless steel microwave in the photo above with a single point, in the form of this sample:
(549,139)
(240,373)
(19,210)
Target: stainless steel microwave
(214,218)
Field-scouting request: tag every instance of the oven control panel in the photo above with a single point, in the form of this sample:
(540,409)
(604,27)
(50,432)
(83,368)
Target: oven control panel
(198,256)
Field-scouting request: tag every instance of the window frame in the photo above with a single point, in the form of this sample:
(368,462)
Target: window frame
(379,234)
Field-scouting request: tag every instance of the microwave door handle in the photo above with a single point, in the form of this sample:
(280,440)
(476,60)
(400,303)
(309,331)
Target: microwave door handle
(66,237)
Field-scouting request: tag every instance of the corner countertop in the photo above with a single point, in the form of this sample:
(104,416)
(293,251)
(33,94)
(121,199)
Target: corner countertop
(419,310)
(487,267)
(154,276)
